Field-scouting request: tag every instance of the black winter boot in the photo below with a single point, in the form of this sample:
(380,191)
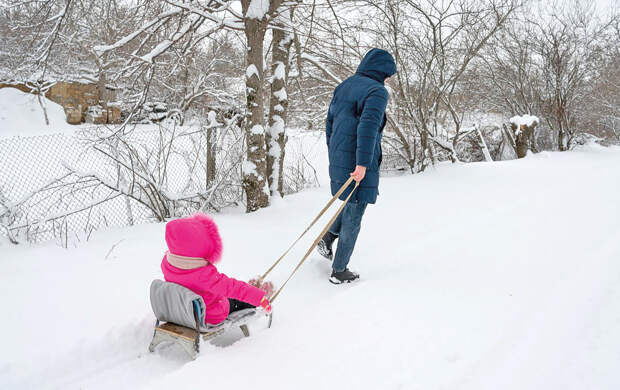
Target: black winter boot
(345,276)
(325,245)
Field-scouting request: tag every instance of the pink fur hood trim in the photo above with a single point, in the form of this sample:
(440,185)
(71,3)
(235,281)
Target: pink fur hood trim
(195,236)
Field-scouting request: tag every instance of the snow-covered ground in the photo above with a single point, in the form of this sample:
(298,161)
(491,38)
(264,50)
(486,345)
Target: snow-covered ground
(480,276)
(22,115)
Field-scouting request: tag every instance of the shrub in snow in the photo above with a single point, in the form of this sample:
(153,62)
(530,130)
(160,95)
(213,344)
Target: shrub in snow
(156,112)
(470,149)
(584,139)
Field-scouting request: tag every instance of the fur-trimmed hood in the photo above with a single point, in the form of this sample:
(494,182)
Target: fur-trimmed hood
(195,236)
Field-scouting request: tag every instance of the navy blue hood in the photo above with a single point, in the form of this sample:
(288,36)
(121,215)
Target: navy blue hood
(377,64)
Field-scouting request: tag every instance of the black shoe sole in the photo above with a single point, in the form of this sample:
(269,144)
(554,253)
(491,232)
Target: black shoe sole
(333,280)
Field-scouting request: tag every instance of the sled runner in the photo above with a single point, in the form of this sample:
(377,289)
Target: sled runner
(180,318)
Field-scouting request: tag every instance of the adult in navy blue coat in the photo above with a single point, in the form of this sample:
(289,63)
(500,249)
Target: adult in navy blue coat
(354,129)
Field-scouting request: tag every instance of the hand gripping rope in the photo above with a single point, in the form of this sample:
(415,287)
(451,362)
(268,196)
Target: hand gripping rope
(316,241)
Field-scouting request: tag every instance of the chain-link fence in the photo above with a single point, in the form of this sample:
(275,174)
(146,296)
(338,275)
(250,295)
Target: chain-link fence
(64,187)
(37,199)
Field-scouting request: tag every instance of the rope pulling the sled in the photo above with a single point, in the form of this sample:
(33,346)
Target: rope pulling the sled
(318,239)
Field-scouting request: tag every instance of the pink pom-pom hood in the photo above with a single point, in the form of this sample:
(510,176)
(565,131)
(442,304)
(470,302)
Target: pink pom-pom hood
(195,236)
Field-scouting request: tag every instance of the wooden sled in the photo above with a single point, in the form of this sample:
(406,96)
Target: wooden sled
(189,339)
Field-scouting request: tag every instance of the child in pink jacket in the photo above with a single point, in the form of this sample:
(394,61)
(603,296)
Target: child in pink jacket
(194,247)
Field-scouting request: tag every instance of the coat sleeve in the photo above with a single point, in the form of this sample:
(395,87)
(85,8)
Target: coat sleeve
(220,284)
(329,122)
(369,125)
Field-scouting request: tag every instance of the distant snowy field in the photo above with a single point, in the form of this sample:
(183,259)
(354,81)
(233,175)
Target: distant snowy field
(477,276)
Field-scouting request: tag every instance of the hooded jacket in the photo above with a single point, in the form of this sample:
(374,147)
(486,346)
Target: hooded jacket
(355,122)
(197,236)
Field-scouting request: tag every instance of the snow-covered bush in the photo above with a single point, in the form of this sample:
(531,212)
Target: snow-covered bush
(469,148)
(583,139)
(156,112)
(167,168)
(299,171)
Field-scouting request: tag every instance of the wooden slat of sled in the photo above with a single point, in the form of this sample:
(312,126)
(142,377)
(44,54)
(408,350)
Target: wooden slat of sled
(178,331)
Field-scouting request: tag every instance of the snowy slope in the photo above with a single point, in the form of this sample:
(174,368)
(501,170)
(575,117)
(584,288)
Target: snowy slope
(21,115)
(479,276)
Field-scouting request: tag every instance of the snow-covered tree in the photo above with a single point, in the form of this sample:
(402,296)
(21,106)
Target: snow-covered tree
(278,102)
(256,17)
(547,63)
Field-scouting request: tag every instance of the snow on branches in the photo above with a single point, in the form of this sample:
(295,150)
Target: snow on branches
(257,9)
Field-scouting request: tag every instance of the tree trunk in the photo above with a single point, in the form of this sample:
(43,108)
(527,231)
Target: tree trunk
(102,98)
(254,168)
(524,135)
(42,104)
(562,140)
(432,153)
(532,136)
(562,127)
(521,140)
(424,144)
(278,106)
(255,183)
(211,143)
